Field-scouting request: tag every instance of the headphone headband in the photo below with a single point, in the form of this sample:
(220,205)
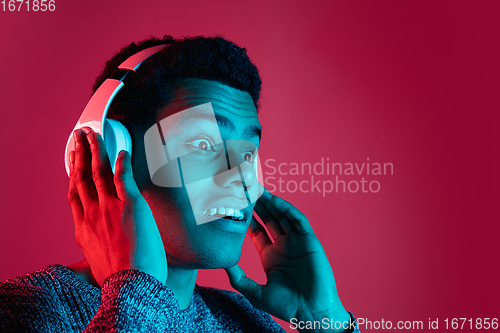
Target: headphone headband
(96,110)
(133,62)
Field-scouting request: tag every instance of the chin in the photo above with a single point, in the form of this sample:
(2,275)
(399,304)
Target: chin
(220,259)
(203,246)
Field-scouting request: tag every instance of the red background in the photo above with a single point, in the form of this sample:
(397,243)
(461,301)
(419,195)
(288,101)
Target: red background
(414,84)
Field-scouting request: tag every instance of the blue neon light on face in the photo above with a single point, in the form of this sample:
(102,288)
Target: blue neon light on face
(187,149)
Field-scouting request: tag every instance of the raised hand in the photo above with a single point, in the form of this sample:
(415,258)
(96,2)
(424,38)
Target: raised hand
(300,282)
(114,225)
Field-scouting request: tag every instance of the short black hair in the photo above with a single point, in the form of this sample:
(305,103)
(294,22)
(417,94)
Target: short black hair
(151,87)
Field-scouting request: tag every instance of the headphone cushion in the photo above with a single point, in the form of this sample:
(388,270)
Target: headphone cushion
(117,138)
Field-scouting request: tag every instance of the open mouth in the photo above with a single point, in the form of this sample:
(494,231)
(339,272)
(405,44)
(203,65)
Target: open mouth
(226,213)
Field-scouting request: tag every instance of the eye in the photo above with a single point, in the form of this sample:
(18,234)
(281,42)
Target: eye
(248,156)
(202,144)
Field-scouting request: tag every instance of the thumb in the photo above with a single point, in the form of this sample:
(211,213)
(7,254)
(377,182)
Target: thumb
(126,188)
(248,287)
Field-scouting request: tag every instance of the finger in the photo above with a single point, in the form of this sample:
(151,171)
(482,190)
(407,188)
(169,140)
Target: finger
(71,162)
(299,221)
(82,173)
(259,235)
(289,217)
(280,212)
(126,187)
(269,220)
(73,197)
(248,287)
(268,199)
(101,169)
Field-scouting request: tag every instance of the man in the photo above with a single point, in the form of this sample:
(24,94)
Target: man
(144,243)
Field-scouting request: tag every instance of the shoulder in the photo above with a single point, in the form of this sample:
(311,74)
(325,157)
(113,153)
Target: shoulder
(235,308)
(28,285)
(39,298)
(51,281)
(23,297)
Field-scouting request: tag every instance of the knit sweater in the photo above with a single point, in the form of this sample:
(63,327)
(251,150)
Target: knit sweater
(55,299)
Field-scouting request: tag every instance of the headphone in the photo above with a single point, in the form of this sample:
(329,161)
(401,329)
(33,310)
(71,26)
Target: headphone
(115,135)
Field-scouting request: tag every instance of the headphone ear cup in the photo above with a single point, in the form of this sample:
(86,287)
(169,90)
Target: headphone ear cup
(117,138)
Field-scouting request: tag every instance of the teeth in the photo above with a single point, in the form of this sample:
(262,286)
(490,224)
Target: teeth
(223,211)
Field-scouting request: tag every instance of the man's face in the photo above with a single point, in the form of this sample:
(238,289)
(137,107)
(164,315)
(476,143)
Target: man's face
(212,147)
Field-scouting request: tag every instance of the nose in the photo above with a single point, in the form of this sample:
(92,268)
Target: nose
(230,177)
(248,173)
(240,173)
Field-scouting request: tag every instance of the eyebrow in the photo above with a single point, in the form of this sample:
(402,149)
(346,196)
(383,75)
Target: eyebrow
(253,131)
(249,133)
(195,115)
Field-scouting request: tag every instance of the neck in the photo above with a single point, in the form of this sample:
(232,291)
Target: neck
(180,280)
